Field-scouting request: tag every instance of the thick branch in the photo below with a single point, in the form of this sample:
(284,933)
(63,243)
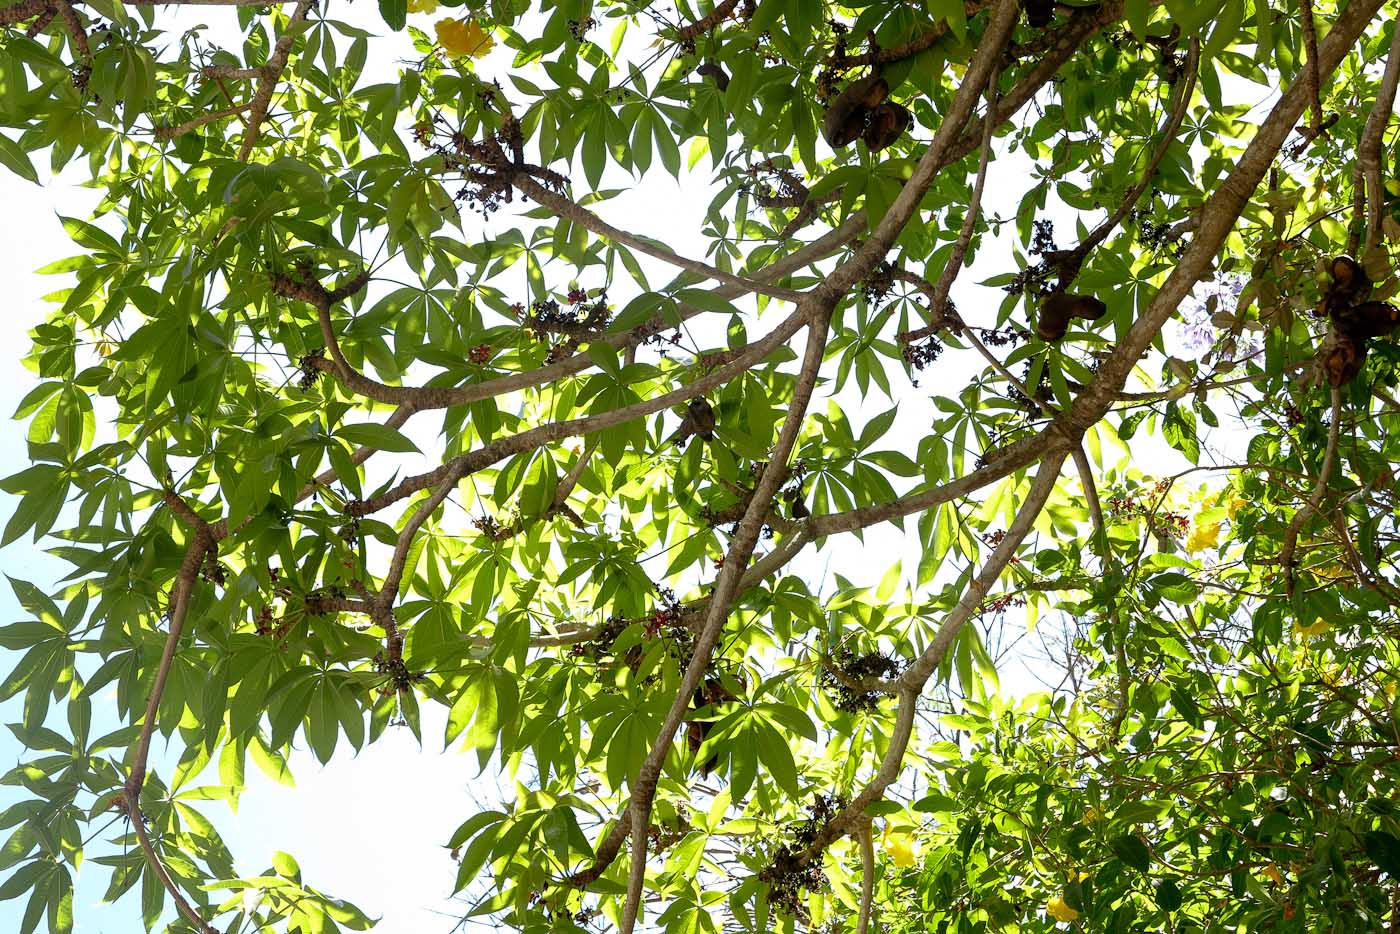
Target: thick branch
(1368,152)
(1312,80)
(710,20)
(271,73)
(1218,218)
(26,9)
(75,26)
(721,600)
(911,683)
(170,132)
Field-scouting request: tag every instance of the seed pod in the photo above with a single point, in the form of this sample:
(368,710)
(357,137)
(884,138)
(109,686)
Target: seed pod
(1343,360)
(716,74)
(887,124)
(1059,307)
(1369,319)
(1349,284)
(849,112)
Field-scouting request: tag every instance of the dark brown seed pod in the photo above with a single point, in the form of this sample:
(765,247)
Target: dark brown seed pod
(1058,308)
(849,111)
(1349,284)
(887,124)
(716,74)
(1369,319)
(1342,361)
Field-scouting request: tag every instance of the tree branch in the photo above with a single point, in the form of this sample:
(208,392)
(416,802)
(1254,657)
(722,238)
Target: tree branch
(1218,217)
(269,75)
(199,545)
(726,588)
(557,431)
(19,12)
(867,876)
(938,299)
(170,132)
(75,26)
(1070,261)
(710,20)
(1290,536)
(1368,151)
(906,203)
(911,683)
(1312,81)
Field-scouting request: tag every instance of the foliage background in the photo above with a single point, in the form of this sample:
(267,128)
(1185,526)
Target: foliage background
(1226,756)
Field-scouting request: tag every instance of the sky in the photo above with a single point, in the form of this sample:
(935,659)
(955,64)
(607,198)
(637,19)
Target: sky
(392,865)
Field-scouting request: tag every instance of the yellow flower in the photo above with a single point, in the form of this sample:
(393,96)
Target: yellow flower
(1059,909)
(1236,504)
(900,846)
(1315,628)
(463,38)
(1203,536)
(422,6)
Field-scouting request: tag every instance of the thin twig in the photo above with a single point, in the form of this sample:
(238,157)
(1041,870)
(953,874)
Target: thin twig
(199,545)
(1091,493)
(911,683)
(944,286)
(1290,536)
(955,121)
(503,447)
(565,208)
(1070,261)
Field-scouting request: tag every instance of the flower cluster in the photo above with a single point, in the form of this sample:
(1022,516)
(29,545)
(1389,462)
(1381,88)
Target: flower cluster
(856,669)
(787,878)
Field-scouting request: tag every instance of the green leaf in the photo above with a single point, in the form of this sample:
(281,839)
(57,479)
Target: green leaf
(16,160)
(377,437)
(1132,851)
(1384,850)
(395,13)
(1136,12)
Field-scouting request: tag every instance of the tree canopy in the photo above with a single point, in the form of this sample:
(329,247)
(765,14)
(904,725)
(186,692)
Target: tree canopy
(723,545)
